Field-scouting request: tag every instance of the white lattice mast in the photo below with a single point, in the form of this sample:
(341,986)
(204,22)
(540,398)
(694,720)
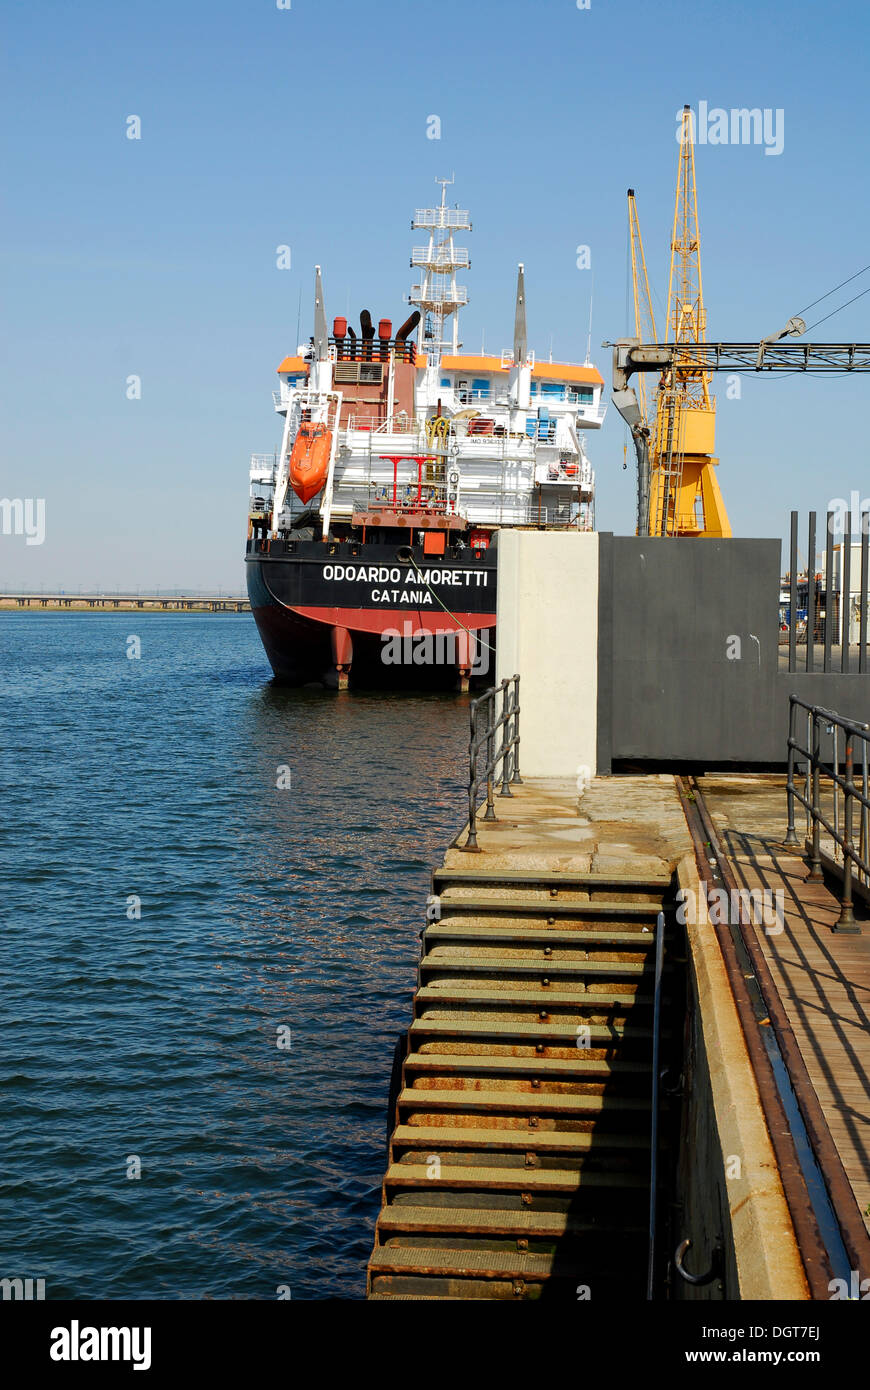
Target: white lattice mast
(437,296)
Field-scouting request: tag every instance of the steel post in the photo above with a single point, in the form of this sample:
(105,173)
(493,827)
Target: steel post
(846,921)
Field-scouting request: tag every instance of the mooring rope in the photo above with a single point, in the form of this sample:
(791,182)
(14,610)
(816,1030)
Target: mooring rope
(425,581)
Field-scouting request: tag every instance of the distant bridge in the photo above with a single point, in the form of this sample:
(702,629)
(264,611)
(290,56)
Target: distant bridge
(166,603)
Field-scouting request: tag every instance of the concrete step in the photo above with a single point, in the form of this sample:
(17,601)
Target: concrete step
(543,1181)
(473,1049)
(460,1064)
(539,1030)
(471,902)
(581,936)
(443,958)
(396,1219)
(652,880)
(573,995)
(425,1098)
(409,1137)
(574,954)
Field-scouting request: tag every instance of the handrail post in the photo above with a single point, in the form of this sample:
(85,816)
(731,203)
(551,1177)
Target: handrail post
(471,839)
(506,752)
(846,921)
(489,698)
(815,874)
(835,729)
(516,772)
(790,836)
(505,723)
(862,838)
(809,772)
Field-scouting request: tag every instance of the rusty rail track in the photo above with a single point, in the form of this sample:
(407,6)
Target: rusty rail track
(817,1191)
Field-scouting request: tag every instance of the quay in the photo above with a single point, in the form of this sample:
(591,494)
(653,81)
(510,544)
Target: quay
(637,1057)
(520,1134)
(820,972)
(153,603)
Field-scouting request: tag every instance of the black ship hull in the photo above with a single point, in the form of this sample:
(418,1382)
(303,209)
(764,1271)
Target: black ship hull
(351,612)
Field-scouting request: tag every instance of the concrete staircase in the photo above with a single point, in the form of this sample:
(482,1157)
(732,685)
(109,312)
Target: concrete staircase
(519,1155)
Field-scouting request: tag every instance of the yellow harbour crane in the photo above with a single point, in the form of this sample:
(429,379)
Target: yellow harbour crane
(683,494)
(644,317)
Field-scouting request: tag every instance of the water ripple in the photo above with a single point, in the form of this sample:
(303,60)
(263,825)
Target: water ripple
(155,1037)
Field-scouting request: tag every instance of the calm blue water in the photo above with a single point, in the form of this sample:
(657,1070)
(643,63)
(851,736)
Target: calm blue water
(260,908)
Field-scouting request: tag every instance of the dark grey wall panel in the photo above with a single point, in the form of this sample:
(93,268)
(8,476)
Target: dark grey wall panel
(671,685)
(694,649)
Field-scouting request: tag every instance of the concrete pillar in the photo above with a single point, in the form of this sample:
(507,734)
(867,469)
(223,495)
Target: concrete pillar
(547,631)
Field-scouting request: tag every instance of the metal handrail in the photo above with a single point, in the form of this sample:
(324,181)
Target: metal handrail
(654,1134)
(485,724)
(856,861)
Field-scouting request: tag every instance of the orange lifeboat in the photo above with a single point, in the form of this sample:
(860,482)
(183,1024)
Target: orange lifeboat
(309,461)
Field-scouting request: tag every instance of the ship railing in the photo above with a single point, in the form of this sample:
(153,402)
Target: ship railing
(449,294)
(593,414)
(507,358)
(833,791)
(500,441)
(262,469)
(441,259)
(399,424)
(493,751)
(408,497)
(560,517)
(381,424)
(442,217)
(358,349)
(413,484)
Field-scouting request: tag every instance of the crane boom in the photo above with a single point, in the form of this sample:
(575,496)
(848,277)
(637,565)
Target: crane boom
(767,356)
(630,356)
(645,328)
(644,317)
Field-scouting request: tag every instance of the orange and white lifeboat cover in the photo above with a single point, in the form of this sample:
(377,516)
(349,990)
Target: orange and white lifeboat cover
(309,460)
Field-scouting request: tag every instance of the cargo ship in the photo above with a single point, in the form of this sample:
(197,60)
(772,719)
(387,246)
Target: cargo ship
(372,550)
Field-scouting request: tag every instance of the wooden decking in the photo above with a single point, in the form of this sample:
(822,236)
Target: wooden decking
(823,977)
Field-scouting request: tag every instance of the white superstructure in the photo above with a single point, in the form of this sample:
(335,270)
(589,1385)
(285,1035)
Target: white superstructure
(497,440)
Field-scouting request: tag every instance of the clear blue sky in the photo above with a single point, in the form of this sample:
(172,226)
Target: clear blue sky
(307,126)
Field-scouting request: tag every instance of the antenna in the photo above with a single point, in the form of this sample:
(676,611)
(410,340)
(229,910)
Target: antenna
(321,340)
(437,295)
(520,338)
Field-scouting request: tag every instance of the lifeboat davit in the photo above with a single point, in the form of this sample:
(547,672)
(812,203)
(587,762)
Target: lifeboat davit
(309,461)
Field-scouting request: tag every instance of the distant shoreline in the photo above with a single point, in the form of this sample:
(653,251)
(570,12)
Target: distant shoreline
(107,603)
